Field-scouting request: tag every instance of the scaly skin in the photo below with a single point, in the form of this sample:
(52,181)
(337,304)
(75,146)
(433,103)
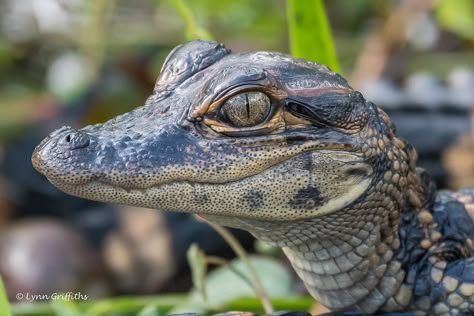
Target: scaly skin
(285,149)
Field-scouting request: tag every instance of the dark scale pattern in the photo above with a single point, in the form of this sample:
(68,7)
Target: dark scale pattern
(317,170)
(307,198)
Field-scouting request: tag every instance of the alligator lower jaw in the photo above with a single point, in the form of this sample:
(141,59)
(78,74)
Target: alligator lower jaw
(249,198)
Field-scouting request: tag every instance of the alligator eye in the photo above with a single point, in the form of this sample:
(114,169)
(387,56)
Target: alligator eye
(246,109)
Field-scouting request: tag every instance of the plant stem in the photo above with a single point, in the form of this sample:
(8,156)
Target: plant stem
(240,252)
(193,30)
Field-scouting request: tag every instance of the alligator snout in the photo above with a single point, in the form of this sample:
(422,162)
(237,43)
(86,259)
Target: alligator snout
(62,151)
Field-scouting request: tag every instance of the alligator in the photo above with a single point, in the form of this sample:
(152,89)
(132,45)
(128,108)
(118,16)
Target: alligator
(285,149)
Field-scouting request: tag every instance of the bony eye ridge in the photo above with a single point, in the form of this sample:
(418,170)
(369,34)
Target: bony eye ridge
(246,109)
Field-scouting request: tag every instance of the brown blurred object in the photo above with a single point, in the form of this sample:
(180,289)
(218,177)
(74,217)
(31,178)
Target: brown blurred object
(318,309)
(459,160)
(140,253)
(6,209)
(45,256)
(384,46)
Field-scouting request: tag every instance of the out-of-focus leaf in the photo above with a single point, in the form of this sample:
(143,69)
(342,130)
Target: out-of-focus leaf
(263,248)
(193,30)
(457,16)
(65,308)
(223,285)
(254,278)
(197,263)
(150,310)
(122,305)
(6,54)
(287,304)
(4,305)
(310,34)
(94,35)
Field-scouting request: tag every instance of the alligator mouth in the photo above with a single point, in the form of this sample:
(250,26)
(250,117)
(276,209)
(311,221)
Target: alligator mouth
(207,198)
(98,179)
(60,173)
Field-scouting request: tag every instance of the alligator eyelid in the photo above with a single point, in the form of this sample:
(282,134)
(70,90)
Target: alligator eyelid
(303,111)
(234,90)
(253,80)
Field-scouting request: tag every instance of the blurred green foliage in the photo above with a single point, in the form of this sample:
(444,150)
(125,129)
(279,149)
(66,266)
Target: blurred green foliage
(151,306)
(4,306)
(262,23)
(6,53)
(120,306)
(223,285)
(198,265)
(457,16)
(310,34)
(242,277)
(65,308)
(193,30)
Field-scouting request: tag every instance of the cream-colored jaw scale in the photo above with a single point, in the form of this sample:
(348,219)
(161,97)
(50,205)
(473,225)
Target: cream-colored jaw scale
(306,186)
(354,188)
(341,178)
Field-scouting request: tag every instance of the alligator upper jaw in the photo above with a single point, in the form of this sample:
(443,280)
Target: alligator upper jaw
(77,157)
(67,177)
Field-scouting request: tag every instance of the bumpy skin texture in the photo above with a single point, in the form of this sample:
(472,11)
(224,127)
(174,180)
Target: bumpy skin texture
(285,149)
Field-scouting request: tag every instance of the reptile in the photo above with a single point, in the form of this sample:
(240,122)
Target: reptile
(285,149)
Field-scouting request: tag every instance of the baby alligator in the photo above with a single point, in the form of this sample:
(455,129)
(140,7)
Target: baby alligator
(287,150)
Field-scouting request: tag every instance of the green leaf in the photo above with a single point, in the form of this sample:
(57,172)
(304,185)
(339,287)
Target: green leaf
(4,305)
(150,310)
(263,248)
(297,303)
(197,263)
(224,285)
(310,34)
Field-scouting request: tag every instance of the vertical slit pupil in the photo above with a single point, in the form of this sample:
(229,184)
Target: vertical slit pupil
(247,105)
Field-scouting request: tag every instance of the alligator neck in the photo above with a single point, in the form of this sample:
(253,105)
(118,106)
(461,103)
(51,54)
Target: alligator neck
(347,261)
(352,271)
(361,266)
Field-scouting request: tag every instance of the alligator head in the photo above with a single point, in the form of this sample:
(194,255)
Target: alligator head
(260,136)
(279,146)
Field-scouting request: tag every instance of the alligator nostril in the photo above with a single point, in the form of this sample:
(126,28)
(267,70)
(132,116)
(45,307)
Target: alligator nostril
(76,139)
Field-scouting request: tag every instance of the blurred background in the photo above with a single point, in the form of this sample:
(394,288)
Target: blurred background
(76,62)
